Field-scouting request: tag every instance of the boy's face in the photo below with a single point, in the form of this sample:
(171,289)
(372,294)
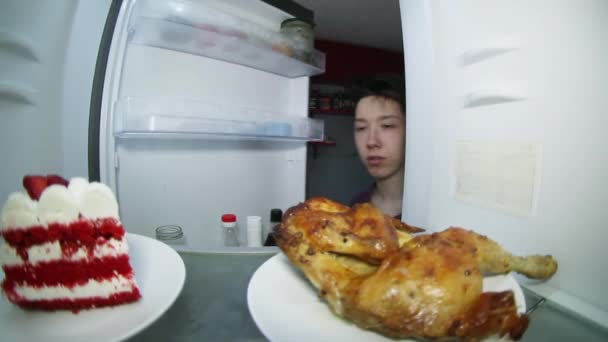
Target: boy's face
(380,135)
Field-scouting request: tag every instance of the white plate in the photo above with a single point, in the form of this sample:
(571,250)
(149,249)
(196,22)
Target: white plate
(160,275)
(286,307)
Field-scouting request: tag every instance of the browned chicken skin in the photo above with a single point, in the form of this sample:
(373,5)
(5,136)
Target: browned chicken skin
(371,271)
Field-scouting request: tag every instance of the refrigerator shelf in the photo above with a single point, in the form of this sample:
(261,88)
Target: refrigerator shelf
(196,29)
(140,118)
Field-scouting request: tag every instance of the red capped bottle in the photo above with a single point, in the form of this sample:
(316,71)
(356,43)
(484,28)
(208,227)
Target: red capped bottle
(231,236)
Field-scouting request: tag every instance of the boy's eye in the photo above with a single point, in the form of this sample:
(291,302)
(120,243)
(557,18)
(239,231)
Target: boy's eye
(388,126)
(360,128)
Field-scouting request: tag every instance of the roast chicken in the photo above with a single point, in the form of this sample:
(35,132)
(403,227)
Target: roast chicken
(372,270)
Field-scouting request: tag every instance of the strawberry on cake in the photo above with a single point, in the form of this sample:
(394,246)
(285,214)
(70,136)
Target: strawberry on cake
(65,247)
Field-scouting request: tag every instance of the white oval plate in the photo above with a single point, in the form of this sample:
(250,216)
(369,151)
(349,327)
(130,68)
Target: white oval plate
(286,307)
(160,275)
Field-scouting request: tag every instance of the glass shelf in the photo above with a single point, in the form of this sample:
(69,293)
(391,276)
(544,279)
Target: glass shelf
(198,29)
(146,118)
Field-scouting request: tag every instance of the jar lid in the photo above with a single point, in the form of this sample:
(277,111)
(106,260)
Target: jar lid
(228,218)
(296,21)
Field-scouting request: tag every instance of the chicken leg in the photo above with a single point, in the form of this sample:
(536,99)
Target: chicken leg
(370,270)
(493,259)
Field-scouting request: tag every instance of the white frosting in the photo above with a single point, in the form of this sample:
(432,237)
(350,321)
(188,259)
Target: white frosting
(19,200)
(19,211)
(51,251)
(56,204)
(16,218)
(59,204)
(98,202)
(77,187)
(8,255)
(92,288)
(44,252)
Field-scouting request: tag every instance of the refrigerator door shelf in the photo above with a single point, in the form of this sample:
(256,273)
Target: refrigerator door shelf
(234,48)
(20,46)
(140,118)
(17,93)
(217,17)
(490,97)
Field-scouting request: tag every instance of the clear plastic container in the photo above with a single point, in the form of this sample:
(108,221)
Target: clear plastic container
(142,117)
(200,29)
(231,235)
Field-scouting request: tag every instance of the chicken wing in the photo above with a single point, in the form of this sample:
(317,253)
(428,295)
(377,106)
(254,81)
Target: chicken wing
(363,232)
(372,271)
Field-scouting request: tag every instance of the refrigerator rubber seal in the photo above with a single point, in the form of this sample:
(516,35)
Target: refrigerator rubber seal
(97,89)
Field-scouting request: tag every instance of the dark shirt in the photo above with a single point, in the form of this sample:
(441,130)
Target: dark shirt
(366,197)
(363,196)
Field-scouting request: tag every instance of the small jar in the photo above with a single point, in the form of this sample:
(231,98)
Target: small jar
(301,34)
(231,237)
(171,234)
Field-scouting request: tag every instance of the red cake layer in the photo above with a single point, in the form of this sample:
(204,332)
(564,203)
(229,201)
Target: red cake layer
(66,273)
(79,233)
(79,304)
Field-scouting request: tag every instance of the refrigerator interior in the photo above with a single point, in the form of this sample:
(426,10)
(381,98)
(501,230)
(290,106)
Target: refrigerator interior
(196,123)
(506,132)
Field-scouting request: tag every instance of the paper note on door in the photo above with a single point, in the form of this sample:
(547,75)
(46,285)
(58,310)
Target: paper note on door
(502,176)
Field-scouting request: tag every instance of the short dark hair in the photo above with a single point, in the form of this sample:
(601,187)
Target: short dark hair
(383,86)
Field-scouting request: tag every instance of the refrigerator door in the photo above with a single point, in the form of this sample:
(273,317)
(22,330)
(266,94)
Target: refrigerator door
(506,118)
(31,60)
(203,113)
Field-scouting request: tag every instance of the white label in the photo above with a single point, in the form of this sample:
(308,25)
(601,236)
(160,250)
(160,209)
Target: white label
(502,176)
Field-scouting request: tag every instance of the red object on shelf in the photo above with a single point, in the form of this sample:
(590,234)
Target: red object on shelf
(324,143)
(333,112)
(228,218)
(344,61)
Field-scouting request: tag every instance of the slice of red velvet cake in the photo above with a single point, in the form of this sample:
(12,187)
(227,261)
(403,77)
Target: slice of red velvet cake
(64,246)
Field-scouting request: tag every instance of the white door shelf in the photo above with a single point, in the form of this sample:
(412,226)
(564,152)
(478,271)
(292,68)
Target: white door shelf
(200,30)
(141,118)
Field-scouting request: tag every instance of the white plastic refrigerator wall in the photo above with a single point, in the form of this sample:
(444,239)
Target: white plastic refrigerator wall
(506,131)
(197,122)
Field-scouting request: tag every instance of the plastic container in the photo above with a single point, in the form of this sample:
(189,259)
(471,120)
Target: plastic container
(231,236)
(148,117)
(254,231)
(200,29)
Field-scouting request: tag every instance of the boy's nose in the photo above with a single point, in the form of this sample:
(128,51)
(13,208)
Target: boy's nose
(373,139)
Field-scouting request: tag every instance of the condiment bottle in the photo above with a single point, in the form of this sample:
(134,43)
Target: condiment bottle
(254,231)
(276,215)
(231,237)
